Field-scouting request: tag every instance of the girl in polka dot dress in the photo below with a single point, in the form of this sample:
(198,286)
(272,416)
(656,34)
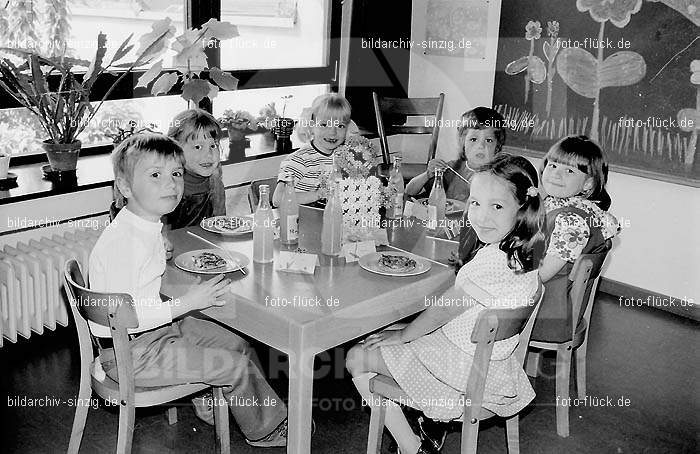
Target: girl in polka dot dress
(574,174)
(431,357)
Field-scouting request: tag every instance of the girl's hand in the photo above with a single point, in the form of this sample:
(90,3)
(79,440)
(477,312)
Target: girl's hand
(387,337)
(435,164)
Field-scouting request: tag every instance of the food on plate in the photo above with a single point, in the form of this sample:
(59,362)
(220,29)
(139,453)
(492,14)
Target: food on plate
(232,224)
(397,262)
(208,261)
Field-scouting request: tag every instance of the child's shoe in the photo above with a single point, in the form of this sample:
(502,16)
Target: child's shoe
(204,407)
(278,437)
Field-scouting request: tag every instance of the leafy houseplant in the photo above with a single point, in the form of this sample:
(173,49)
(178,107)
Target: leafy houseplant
(189,61)
(64,109)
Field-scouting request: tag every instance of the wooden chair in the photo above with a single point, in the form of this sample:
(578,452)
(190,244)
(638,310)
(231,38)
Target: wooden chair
(391,113)
(116,311)
(254,191)
(584,276)
(491,326)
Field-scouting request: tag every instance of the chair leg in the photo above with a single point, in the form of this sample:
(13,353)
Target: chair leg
(580,354)
(562,389)
(223,439)
(513,434)
(126,427)
(533,362)
(171,414)
(81,412)
(376,426)
(470,436)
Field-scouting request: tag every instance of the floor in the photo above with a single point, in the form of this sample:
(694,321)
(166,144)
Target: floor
(642,359)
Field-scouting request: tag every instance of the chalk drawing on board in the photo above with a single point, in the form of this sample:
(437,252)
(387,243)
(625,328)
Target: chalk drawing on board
(661,139)
(456,28)
(536,71)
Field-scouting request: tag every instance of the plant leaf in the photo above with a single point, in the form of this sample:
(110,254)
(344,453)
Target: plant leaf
(123,49)
(621,69)
(96,66)
(536,70)
(219,30)
(149,75)
(223,80)
(195,90)
(517,66)
(213,91)
(579,70)
(164,83)
(154,43)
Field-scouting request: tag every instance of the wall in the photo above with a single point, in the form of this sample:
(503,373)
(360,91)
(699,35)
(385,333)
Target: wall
(659,251)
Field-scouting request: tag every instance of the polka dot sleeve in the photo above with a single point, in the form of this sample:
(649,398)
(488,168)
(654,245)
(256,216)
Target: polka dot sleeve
(569,237)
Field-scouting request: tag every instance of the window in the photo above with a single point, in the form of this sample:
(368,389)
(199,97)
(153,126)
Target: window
(285,47)
(276,34)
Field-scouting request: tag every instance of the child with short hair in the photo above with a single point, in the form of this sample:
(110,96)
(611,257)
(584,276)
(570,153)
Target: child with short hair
(169,347)
(574,174)
(482,134)
(431,357)
(327,128)
(199,135)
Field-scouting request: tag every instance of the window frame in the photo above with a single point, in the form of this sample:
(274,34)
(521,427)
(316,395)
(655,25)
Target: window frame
(198,12)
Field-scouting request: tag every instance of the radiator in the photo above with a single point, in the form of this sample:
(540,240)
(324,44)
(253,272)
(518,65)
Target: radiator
(31,282)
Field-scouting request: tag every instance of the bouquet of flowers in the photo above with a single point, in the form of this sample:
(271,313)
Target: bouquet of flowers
(356,157)
(240,119)
(268,116)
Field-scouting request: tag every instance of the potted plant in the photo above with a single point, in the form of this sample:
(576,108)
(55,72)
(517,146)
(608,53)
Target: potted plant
(279,125)
(63,108)
(238,124)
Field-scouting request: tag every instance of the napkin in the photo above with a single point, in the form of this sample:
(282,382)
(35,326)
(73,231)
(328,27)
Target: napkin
(353,251)
(296,262)
(416,209)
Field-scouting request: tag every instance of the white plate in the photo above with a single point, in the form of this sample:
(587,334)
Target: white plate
(214,225)
(370,262)
(185,261)
(453,206)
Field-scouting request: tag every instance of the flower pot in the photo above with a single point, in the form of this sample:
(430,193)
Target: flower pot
(235,135)
(62,156)
(4,165)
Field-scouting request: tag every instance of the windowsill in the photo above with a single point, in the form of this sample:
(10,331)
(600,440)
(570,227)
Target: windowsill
(96,172)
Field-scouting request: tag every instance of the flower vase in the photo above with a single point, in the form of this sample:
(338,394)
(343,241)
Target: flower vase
(283,130)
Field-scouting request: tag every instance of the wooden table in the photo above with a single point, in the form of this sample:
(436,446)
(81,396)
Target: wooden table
(348,302)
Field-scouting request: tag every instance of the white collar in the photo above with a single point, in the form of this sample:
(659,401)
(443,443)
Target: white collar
(127,216)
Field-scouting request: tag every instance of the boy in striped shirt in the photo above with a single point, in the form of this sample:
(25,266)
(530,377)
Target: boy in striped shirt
(327,127)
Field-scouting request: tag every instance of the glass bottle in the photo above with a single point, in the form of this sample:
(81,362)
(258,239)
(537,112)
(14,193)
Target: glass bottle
(437,202)
(396,186)
(289,216)
(263,229)
(332,232)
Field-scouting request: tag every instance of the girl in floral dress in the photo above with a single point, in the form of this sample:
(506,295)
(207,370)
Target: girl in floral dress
(431,357)
(574,175)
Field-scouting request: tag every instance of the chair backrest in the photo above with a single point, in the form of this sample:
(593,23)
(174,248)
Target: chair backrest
(114,310)
(391,115)
(584,276)
(493,325)
(254,191)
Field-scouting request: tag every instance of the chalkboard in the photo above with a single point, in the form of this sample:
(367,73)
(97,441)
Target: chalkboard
(552,70)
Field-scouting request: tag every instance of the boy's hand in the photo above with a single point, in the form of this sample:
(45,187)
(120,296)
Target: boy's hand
(435,164)
(206,294)
(168,245)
